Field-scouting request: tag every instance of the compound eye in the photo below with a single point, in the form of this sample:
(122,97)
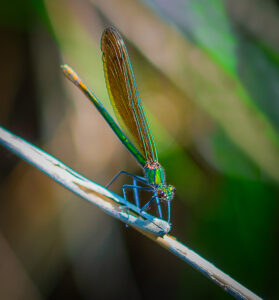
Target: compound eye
(160,194)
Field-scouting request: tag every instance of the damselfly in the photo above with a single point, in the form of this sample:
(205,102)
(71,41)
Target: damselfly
(134,132)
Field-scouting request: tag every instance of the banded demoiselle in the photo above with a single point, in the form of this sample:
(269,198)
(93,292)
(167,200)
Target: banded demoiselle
(134,131)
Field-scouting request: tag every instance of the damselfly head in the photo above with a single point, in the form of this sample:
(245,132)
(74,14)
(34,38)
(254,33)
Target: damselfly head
(166,192)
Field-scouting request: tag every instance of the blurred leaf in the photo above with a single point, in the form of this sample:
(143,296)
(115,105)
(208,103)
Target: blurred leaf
(205,23)
(75,42)
(209,25)
(231,160)
(237,229)
(259,73)
(257,18)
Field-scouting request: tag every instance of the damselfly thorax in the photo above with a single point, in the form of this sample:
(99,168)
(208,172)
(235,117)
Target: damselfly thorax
(155,174)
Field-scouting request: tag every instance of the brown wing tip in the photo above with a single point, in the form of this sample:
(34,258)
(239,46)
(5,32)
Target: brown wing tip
(109,33)
(110,29)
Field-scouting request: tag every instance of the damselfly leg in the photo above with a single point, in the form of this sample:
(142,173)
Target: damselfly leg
(135,187)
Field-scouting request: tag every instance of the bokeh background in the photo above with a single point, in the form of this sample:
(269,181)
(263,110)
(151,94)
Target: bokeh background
(208,74)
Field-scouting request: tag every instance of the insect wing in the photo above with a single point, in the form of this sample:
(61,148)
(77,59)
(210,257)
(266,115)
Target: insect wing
(124,95)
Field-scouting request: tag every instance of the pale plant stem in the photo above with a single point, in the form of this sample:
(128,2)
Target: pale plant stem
(154,228)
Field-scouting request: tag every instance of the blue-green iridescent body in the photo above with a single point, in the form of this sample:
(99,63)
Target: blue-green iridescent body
(134,132)
(155,174)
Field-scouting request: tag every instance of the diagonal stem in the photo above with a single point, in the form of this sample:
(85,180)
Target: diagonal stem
(154,228)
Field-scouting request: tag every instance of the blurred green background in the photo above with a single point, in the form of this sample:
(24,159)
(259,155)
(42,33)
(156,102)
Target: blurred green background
(208,74)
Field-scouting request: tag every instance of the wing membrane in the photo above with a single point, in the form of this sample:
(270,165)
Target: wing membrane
(124,95)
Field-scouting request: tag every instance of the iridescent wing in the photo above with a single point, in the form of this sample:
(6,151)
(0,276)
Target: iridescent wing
(124,95)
